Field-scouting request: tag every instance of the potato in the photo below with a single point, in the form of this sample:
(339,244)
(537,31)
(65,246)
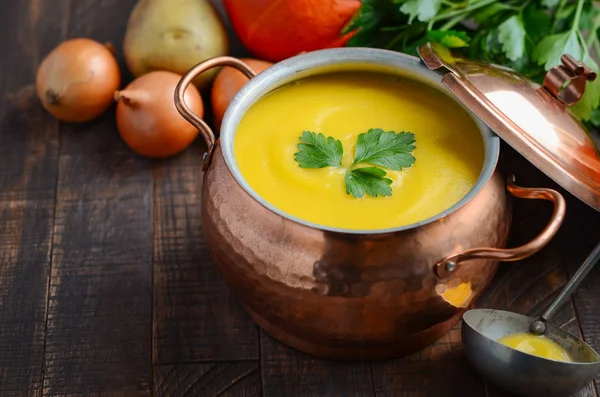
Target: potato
(174,35)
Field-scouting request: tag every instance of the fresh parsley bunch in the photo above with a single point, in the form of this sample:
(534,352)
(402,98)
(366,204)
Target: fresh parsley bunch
(529,36)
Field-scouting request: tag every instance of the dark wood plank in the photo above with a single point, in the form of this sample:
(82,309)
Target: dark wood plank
(438,370)
(528,286)
(28,169)
(99,316)
(196,317)
(287,372)
(238,379)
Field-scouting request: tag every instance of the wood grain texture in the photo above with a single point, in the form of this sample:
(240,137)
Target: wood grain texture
(438,370)
(237,379)
(99,317)
(115,213)
(196,316)
(287,372)
(28,168)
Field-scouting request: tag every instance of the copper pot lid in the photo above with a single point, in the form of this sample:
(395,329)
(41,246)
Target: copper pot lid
(533,119)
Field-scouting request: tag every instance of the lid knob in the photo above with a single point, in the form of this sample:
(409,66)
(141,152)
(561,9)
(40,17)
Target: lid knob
(566,82)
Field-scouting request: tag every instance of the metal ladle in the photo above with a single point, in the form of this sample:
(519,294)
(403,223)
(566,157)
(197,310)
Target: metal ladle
(525,374)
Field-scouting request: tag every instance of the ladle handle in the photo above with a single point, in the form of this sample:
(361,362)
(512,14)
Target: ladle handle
(572,285)
(187,113)
(451,263)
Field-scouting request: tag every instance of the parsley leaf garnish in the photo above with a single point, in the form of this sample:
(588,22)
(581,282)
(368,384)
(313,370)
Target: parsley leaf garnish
(316,151)
(376,147)
(370,180)
(385,148)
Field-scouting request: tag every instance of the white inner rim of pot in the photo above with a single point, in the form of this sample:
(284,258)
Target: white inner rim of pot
(345,59)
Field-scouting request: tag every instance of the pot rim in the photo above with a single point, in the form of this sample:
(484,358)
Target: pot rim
(328,60)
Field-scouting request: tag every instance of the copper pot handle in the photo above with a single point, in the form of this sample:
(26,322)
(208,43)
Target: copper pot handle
(188,114)
(451,263)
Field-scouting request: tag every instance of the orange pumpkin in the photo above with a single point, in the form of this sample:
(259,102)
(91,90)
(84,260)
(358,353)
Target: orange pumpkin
(277,29)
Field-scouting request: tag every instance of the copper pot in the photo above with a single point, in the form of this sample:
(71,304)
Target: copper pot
(351,294)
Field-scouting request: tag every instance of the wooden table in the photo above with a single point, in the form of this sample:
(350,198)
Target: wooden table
(106,283)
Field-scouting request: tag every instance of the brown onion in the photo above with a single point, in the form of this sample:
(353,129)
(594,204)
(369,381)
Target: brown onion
(147,118)
(77,79)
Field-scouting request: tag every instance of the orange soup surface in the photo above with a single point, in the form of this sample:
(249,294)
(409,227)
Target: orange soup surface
(449,150)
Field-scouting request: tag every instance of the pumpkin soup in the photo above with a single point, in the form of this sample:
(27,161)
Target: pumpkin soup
(442,148)
(536,345)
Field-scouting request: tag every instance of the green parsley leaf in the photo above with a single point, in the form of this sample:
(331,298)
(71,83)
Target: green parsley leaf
(485,14)
(553,27)
(511,34)
(588,17)
(369,180)
(595,118)
(378,147)
(550,3)
(449,38)
(385,148)
(367,21)
(551,48)
(316,151)
(537,23)
(591,98)
(423,10)
(563,17)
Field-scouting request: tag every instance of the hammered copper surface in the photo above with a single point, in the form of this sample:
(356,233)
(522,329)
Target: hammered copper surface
(528,117)
(342,295)
(338,294)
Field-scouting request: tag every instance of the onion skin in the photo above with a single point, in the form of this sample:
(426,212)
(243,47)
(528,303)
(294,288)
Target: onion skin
(228,82)
(147,118)
(76,80)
